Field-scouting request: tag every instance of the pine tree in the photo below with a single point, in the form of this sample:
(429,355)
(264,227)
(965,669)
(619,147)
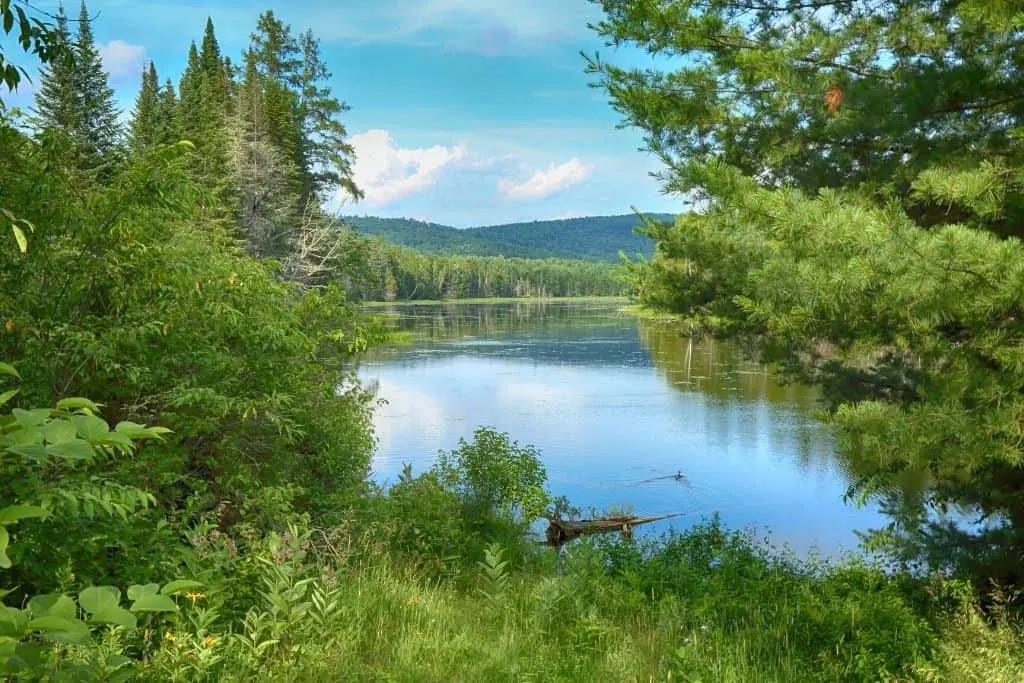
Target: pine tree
(325,156)
(55,102)
(144,129)
(166,123)
(856,160)
(96,132)
(822,94)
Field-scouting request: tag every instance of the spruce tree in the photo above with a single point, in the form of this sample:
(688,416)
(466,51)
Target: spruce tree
(190,95)
(144,129)
(166,123)
(96,131)
(56,107)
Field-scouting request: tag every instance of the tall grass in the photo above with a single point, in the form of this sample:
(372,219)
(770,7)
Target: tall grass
(706,605)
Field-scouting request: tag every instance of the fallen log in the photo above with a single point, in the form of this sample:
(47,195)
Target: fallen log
(561,531)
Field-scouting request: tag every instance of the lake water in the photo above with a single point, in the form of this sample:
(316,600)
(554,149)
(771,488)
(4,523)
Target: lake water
(616,406)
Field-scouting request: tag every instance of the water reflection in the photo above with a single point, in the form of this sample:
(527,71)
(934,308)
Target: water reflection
(611,402)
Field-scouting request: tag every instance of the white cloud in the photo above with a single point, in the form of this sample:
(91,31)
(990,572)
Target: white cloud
(547,182)
(386,172)
(123,60)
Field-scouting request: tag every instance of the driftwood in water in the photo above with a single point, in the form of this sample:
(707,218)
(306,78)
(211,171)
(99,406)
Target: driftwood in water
(561,531)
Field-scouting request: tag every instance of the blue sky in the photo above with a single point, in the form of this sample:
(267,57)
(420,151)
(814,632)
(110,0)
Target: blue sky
(464,112)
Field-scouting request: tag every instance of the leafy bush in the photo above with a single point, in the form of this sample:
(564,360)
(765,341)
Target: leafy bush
(495,476)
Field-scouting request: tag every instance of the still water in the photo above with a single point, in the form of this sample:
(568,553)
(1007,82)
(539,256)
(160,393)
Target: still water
(617,406)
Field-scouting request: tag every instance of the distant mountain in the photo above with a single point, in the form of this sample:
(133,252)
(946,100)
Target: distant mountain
(596,238)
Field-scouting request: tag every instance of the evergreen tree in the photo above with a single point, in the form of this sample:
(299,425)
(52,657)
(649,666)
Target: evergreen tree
(56,107)
(96,131)
(855,158)
(166,125)
(325,156)
(821,94)
(266,199)
(190,95)
(277,58)
(144,129)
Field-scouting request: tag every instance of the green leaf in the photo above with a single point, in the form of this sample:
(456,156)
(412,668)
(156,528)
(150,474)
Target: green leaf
(32,451)
(97,598)
(114,616)
(137,591)
(75,403)
(53,605)
(60,630)
(19,237)
(24,435)
(180,586)
(31,418)
(113,439)
(8,395)
(12,621)
(13,513)
(137,431)
(5,540)
(90,427)
(154,603)
(57,431)
(8,369)
(72,450)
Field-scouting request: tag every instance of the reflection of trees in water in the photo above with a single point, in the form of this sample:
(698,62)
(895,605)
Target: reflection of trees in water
(729,374)
(719,369)
(726,371)
(444,321)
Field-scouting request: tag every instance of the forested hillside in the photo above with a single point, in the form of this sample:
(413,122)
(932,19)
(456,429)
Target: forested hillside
(595,238)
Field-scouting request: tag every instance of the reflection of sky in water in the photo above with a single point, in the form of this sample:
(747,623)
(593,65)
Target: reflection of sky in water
(609,407)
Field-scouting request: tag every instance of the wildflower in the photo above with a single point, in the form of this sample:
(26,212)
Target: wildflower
(209,641)
(170,636)
(194,596)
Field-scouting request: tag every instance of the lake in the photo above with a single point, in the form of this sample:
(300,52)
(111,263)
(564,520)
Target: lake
(617,406)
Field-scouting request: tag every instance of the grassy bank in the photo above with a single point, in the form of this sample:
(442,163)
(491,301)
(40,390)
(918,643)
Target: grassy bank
(702,606)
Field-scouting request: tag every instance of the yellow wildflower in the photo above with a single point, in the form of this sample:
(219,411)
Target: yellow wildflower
(170,636)
(209,641)
(194,596)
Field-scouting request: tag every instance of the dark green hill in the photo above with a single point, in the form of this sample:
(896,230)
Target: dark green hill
(595,238)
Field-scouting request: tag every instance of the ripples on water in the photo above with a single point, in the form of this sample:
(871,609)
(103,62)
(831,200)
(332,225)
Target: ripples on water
(615,405)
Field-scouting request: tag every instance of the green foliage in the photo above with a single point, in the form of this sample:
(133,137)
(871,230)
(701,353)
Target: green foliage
(596,238)
(853,239)
(495,476)
(859,94)
(382,272)
(33,35)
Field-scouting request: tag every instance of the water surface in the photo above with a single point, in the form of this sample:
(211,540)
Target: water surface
(617,406)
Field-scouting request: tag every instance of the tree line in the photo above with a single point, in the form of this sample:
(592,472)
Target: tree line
(390,273)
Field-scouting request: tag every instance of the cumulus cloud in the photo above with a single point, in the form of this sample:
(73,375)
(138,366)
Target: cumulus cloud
(122,60)
(546,182)
(386,172)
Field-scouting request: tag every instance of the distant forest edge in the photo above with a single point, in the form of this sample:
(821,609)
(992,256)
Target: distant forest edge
(386,272)
(595,238)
